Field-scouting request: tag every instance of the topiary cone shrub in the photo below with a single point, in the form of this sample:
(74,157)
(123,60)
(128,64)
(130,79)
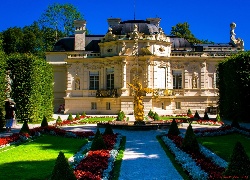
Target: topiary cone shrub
(173,129)
(25,128)
(239,165)
(190,143)
(197,116)
(77,116)
(44,122)
(62,170)
(156,117)
(151,113)
(235,123)
(189,113)
(70,117)
(98,142)
(218,118)
(83,114)
(58,120)
(108,130)
(205,116)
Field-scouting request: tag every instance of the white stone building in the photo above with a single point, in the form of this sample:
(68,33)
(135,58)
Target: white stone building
(92,72)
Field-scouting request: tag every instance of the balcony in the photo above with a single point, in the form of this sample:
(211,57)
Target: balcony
(108,93)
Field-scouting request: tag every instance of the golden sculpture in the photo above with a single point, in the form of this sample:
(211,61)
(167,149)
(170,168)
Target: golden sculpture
(138,93)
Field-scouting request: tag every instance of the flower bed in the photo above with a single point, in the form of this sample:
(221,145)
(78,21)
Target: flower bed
(205,164)
(82,120)
(19,137)
(99,164)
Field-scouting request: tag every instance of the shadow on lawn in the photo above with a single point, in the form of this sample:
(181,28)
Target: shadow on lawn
(27,170)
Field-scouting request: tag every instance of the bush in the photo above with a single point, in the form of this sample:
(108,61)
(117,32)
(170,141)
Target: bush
(189,113)
(44,122)
(120,116)
(77,116)
(235,124)
(62,170)
(150,113)
(25,128)
(70,117)
(173,129)
(98,142)
(2,124)
(58,120)
(196,115)
(83,114)
(239,165)
(218,118)
(108,130)
(156,117)
(205,116)
(190,143)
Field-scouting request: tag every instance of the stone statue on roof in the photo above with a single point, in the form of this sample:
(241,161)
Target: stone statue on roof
(236,42)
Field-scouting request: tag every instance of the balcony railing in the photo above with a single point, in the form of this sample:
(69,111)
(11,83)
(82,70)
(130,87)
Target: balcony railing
(107,93)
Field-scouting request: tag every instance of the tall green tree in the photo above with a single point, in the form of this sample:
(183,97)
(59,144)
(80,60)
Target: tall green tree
(30,39)
(60,17)
(13,40)
(182,30)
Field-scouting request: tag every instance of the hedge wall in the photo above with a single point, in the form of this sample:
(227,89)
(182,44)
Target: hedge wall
(2,87)
(32,86)
(234,87)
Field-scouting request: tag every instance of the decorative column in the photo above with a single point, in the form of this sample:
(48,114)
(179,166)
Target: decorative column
(203,75)
(124,77)
(149,74)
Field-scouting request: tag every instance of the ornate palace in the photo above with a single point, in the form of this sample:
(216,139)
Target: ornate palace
(93,73)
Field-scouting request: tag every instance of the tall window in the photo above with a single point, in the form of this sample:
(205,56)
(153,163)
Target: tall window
(94,80)
(177,105)
(93,106)
(162,77)
(110,78)
(108,107)
(177,79)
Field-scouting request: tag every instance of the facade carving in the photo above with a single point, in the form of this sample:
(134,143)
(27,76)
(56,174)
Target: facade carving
(95,78)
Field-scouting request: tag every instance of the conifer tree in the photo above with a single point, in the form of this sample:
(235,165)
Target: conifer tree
(62,170)
(239,165)
(190,143)
(173,129)
(44,122)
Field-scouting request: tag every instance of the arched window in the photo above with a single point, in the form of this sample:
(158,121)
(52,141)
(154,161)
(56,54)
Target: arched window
(77,84)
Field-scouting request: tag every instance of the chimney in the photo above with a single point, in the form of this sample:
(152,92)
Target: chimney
(155,21)
(113,21)
(80,29)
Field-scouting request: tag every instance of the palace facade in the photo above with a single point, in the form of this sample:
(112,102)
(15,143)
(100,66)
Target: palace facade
(92,72)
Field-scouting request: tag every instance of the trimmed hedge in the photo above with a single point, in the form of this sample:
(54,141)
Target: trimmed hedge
(234,81)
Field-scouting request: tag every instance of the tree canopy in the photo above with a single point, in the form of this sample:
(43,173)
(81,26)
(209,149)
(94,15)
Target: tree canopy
(60,17)
(182,30)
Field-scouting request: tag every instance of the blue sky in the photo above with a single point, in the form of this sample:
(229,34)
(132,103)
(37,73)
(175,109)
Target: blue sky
(207,19)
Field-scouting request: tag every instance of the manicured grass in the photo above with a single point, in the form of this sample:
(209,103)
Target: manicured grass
(118,161)
(166,118)
(36,159)
(98,119)
(223,145)
(177,166)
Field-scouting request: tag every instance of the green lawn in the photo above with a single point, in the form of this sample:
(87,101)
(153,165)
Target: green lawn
(97,119)
(35,160)
(223,145)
